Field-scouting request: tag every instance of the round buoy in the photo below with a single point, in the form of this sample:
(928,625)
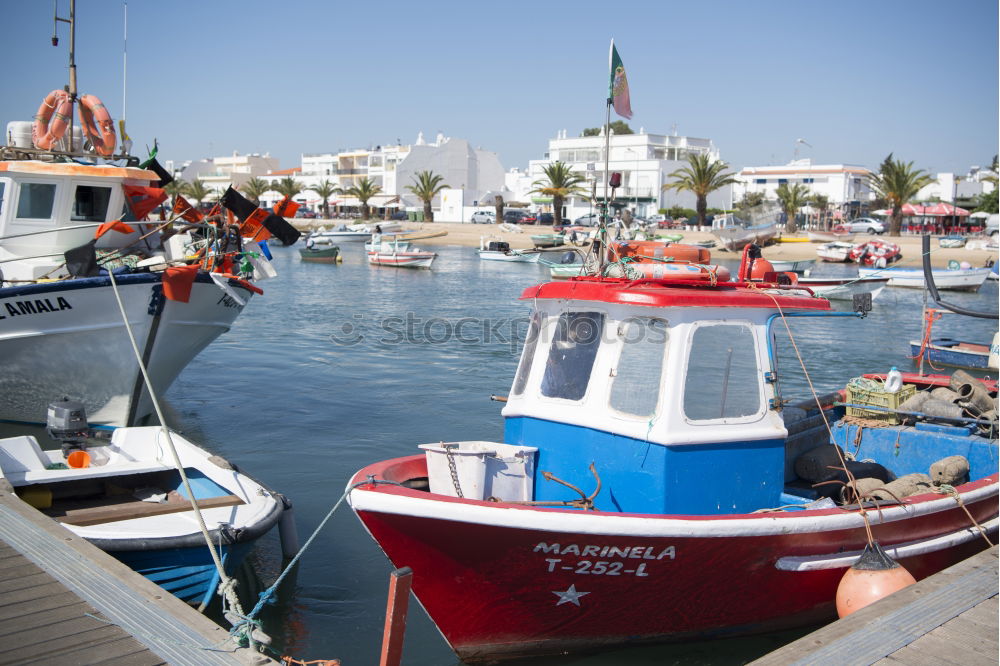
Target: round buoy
(759,268)
(875,575)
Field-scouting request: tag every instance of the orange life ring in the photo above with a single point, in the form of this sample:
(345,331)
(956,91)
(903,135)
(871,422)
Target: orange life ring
(51,120)
(97,125)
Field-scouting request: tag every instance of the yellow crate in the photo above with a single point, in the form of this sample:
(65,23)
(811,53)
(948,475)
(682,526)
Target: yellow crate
(875,398)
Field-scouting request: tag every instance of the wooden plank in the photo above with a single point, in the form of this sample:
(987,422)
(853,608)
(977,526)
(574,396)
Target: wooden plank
(34,592)
(23,582)
(68,626)
(50,602)
(42,621)
(131,510)
(110,651)
(19,569)
(973,643)
(57,648)
(984,614)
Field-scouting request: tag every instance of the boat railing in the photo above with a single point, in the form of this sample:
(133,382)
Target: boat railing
(25,153)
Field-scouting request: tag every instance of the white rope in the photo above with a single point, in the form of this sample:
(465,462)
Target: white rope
(225,582)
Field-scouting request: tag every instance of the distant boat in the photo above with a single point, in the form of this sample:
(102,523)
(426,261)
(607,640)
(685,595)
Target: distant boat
(796,266)
(957,353)
(323,254)
(843,289)
(952,241)
(341,234)
(962,279)
(737,230)
(835,251)
(500,251)
(410,258)
(548,240)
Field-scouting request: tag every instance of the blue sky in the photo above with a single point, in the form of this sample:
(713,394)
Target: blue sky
(855,79)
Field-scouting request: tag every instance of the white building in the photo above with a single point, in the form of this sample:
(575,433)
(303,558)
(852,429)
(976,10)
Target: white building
(644,160)
(949,187)
(218,173)
(840,183)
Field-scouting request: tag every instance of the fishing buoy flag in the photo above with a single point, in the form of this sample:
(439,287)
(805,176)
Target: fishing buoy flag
(244,210)
(618,92)
(142,200)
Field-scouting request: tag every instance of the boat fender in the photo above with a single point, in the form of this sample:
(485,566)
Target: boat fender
(864,486)
(760,268)
(905,486)
(833,486)
(51,120)
(945,394)
(942,409)
(97,125)
(568,258)
(952,471)
(814,465)
(874,576)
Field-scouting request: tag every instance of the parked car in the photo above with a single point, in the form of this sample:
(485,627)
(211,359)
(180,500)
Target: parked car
(516,216)
(866,225)
(588,220)
(546,218)
(484,217)
(305,213)
(398,215)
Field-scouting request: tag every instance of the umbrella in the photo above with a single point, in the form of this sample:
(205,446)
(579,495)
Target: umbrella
(907,210)
(943,209)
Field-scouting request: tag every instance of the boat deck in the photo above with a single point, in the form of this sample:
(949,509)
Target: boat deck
(948,618)
(63,600)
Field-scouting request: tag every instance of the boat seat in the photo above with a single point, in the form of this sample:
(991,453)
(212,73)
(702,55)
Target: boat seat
(19,455)
(129,510)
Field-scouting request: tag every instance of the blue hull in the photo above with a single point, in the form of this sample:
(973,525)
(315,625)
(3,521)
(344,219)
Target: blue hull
(187,573)
(945,352)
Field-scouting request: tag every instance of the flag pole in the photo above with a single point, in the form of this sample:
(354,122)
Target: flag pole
(603,233)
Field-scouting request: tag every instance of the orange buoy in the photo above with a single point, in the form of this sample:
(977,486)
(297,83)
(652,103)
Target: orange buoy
(97,125)
(874,576)
(51,120)
(760,268)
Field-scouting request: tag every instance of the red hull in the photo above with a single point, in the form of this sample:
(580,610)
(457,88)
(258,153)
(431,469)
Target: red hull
(501,591)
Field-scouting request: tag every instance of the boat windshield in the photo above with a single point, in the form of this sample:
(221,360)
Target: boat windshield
(723,377)
(575,341)
(36,201)
(90,203)
(635,389)
(528,355)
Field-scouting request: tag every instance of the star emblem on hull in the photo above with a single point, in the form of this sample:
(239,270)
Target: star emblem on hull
(570,596)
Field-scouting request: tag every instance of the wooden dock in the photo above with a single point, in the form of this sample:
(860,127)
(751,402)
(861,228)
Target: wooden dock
(65,601)
(948,618)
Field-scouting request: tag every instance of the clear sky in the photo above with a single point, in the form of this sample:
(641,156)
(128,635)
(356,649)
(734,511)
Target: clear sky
(855,78)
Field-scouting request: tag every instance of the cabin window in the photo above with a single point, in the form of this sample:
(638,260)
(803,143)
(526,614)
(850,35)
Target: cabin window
(90,204)
(36,201)
(635,388)
(723,379)
(575,342)
(528,355)
(3,186)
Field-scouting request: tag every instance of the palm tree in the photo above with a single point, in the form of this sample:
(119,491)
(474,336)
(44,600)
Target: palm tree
(562,182)
(498,206)
(426,186)
(287,187)
(701,177)
(897,182)
(325,190)
(750,199)
(199,191)
(254,188)
(820,202)
(792,198)
(363,191)
(175,188)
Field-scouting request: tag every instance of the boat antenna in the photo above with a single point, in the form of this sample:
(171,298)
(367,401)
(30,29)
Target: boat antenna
(71,89)
(126,141)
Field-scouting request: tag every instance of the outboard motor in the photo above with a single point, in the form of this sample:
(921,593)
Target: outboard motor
(66,422)
(568,258)
(498,246)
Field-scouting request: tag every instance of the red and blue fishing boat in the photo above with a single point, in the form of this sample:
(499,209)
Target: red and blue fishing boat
(646,488)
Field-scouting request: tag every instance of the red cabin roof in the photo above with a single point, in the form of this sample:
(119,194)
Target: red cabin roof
(677,293)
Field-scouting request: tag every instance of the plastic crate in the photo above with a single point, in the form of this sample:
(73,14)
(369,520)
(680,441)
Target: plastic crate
(876,398)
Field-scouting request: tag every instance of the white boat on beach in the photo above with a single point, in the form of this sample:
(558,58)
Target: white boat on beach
(500,251)
(962,279)
(844,289)
(836,251)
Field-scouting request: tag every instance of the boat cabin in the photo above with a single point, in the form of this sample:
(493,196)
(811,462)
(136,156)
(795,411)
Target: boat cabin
(47,208)
(668,388)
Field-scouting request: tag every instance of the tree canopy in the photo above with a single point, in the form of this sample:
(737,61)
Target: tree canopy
(426,185)
(897,182)
(701,176)
(561,182)
(617,126)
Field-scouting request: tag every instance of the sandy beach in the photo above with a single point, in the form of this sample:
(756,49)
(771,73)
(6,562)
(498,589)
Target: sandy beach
(468,235)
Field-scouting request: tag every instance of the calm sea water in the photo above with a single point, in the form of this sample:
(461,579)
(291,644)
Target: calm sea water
(337,366)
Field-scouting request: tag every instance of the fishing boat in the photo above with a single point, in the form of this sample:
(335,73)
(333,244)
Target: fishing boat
(408,258)
(127,498)
(757,226)
(321,254)
(793,265)
(500,251)
(62,332)
(342,234)
(835,251)
(843,289)
(958,353)
(841,233)
(548,240)
(384,245)
(649,485)
(952,279)
(878,254)
(952,241)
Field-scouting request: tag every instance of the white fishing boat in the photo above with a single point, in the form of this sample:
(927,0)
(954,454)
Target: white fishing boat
(500,251)
(128,498)
(341,234)
(844,289)
(795,266)
(836,251)
(383,245)
(960,279)
(393,255)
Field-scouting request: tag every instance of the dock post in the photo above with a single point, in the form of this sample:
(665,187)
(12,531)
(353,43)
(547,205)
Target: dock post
(287,531)
(395,617)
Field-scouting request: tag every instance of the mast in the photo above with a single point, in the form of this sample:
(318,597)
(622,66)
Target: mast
(72,87)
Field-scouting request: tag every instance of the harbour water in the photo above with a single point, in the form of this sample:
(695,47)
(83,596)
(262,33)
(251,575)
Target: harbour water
(340,365)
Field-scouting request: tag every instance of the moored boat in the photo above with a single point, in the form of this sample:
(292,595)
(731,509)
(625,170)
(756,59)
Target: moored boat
(548,240)
(409,258)
(835,251)
(127,499)
(952,241)
(321,253)
(342,234)
(960,279)
(793,265)
(958,353)
(647,487)
(875,253)
(500,251)
(844,289)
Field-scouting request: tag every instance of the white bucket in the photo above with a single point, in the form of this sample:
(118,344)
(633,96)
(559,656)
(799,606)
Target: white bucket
(483,469)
